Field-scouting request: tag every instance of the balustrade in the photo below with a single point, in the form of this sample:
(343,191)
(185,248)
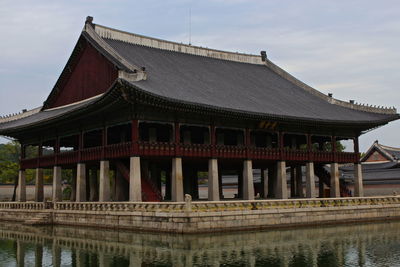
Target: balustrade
(118,150)
(22,205)
(188,150)
(205,206)
(67,157)
(156,149)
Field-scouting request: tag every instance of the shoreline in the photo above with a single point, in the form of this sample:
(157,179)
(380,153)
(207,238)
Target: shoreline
(204,217)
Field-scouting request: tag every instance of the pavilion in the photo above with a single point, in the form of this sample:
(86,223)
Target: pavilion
(157,112)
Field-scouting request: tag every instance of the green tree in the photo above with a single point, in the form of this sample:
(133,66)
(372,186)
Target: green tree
(9,162)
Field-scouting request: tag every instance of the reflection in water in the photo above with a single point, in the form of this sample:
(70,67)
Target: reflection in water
(354,245)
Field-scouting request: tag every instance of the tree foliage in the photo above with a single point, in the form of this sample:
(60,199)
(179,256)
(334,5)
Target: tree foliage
(9,162)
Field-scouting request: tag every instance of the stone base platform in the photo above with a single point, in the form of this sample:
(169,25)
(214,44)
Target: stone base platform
(200,217)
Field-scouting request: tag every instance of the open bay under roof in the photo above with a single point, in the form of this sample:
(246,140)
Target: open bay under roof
(218,81)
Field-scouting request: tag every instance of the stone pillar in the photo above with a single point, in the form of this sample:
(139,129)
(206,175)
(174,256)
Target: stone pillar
(94,186)
(135,183)
(248,182)
(57,186)
(21,189)
(104,189)
(310,180)
(177,180)
(281,185)
(39,185)
(358,181)
(81,182)
(335,187)
(299,182)
(213,183)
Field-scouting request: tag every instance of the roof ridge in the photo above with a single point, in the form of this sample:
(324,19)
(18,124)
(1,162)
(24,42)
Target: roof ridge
(389,147)
(23,114)
(137,39)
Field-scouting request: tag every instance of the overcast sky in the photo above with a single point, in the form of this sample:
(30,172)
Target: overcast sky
(348,48)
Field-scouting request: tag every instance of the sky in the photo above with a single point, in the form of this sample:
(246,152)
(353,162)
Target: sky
(350,48)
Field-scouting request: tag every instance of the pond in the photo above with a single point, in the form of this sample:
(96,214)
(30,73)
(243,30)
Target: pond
(373,244)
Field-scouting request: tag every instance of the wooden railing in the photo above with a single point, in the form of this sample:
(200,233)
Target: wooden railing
(118,150)
(160,149)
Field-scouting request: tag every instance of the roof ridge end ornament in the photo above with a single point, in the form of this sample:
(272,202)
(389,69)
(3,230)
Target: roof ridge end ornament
(89,20)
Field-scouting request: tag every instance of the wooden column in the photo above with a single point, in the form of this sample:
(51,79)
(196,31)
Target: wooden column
(135,137)
(356,148)
(333,144)
(103,142)
(177,138)
(247,142)
(280,144)
(309,147)
(80,146)
(213,141)
(56,150)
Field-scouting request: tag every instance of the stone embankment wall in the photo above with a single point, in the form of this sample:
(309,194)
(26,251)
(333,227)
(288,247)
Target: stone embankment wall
(197,217)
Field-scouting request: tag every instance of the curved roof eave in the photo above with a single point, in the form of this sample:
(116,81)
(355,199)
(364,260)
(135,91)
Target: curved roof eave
(264,115)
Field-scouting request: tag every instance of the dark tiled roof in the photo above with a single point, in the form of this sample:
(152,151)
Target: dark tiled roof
(44,116)
(383,176)
(232,85)
(394,153)
(375,173)
(372,166)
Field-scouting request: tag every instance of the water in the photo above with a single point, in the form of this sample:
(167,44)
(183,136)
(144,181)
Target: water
(376,244)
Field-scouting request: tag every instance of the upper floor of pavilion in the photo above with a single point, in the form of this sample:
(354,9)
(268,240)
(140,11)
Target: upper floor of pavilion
(113,76)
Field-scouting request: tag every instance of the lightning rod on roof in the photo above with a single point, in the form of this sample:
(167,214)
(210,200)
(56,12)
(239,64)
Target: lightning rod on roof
(190,25)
